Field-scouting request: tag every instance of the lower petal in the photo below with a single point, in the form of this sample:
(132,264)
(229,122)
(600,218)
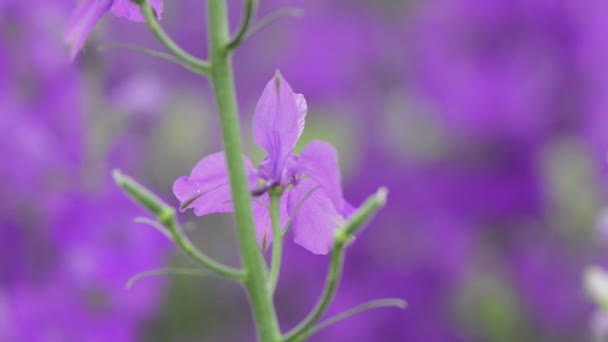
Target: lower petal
(130,10)
(319,161)
(315,218)
(82,23)
(263,221)
(207,189)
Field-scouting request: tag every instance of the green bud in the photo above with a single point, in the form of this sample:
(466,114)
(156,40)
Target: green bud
(144,197)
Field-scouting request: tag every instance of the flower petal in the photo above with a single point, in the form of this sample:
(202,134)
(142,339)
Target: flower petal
(263,221)
(319,161)
(130,10)
(316,219)
(278,122)
(302,110)
(207,190)
(82,23)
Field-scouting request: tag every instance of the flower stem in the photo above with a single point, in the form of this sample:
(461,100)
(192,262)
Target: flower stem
(277,239)
(223,83)
(165,215)
(343,236)
(274,16)
(187,60)
(165,272)
(250,7)
(372,304)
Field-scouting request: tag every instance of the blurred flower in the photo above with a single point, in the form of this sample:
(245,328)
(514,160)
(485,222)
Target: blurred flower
(507,69)
(596,284)
(67,249)
(89,12)
(602,226)
(311,181)
(599,326)
(73,287)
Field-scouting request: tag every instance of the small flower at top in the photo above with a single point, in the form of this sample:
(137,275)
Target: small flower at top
(89,12)
(312,191)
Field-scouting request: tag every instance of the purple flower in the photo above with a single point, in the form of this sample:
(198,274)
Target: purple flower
(311,181)
(90,12)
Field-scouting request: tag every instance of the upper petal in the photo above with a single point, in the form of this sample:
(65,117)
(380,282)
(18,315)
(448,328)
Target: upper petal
(278,122)
(130,10)
(207,189)
(319,161)
(315,218)
(82,22)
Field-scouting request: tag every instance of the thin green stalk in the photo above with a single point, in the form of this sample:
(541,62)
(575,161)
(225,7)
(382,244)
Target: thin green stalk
(273,17)
(277,239)
(329,291)
(372,304)
(250,7)
(165,272)
(188,247)
(165,215)
(342,239)
(150,52)
(253,261)
(189,61)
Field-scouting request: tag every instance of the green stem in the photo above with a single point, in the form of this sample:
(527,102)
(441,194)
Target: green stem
(342,238)
(372,304)
(277,239)
(250,6)
(150,52)
(189,61)
(165,272)
(252,258)
(273,17)
(331,285)
(165,215)
(188,247)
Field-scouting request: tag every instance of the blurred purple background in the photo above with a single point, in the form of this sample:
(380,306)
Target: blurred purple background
(486,119)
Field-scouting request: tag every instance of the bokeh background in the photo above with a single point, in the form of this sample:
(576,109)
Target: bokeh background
(486,119)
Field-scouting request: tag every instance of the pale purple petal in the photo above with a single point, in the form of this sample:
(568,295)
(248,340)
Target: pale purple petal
(316,219)
(207,189)
(302,110)
(319,161)
(263,222)
(278,122)
(82,23)
(129,10)
(347,210)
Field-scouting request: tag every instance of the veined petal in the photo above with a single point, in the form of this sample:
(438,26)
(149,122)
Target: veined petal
(263,221)
(316,219)
(319,161)
(130,10)
(82,23)
(278,122)
(207,189)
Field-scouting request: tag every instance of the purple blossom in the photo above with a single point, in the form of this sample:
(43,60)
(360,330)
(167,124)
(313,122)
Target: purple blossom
(89,12)
(313,191)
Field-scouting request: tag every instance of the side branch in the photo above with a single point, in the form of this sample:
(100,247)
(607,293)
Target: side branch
(273,17)
(242,33)
(186,59)
(165,215)
(372,304)
(343,236)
